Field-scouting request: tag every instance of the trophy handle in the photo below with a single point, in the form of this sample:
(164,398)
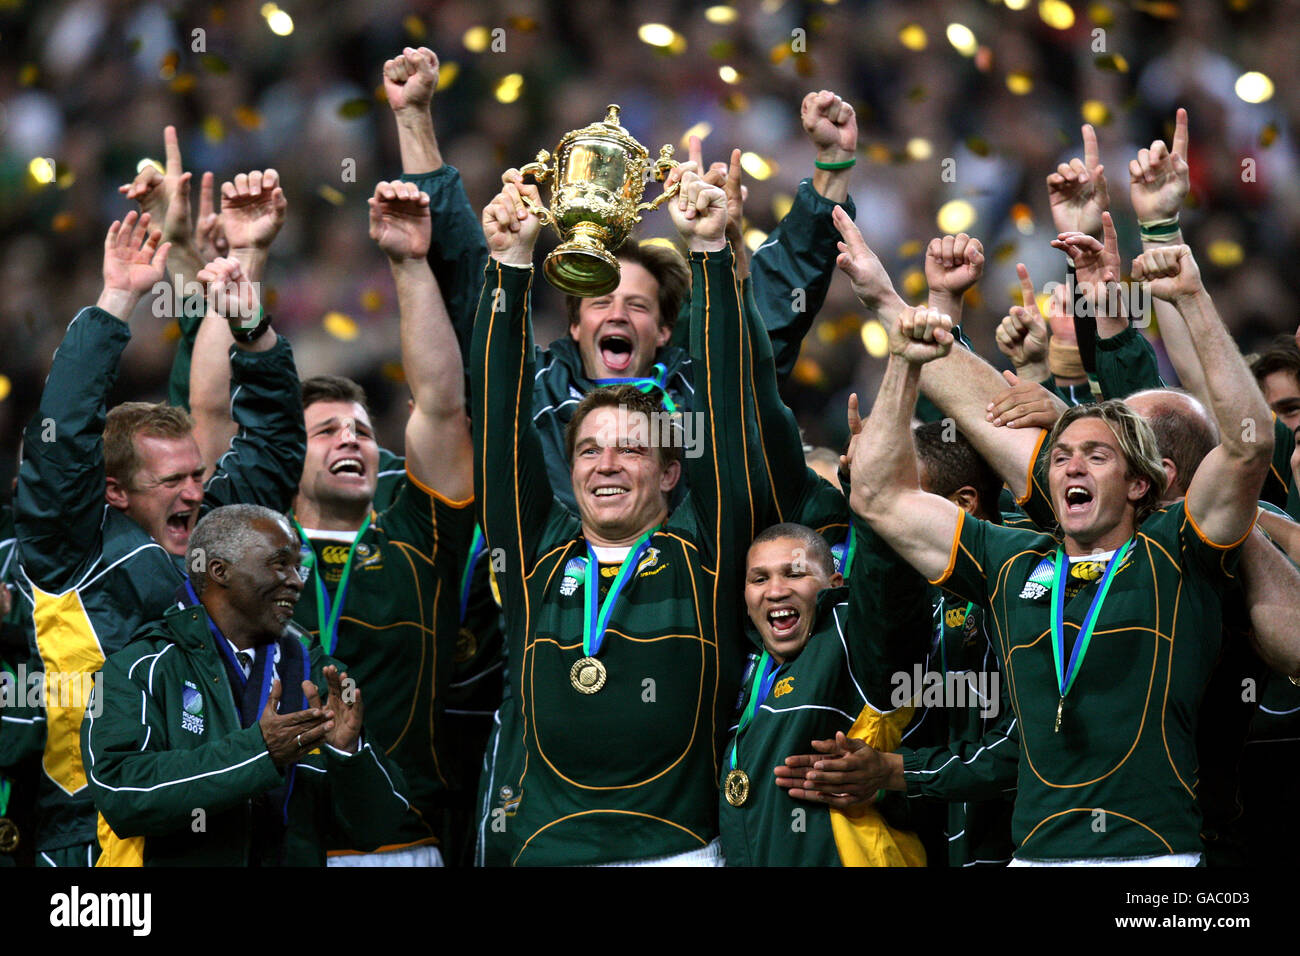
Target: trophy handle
(535,173)
(663,164)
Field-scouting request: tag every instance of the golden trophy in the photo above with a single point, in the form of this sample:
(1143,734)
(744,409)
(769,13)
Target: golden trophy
(597,180)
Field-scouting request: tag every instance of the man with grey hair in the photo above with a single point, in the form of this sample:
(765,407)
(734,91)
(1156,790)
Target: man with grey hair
(206,772)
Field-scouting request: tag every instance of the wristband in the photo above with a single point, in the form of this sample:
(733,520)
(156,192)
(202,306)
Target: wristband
(836,167)
(1063,360)
(1159,230)
(247,336)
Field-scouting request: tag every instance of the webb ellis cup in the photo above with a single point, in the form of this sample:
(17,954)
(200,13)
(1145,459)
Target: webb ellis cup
(597,180)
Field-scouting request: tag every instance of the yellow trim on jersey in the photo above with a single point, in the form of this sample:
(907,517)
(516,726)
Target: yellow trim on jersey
(952,555)
(1220,547)
(433,494)
(115,851)
(1033,460)
(387,847)
(862,837)
(68,646)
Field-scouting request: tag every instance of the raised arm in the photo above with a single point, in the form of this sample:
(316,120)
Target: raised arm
(921,527)
(439,453)
(253,210)
(1272,586)
(1222,499)
(457,252)
(510,480)
(60,498)
(953,264)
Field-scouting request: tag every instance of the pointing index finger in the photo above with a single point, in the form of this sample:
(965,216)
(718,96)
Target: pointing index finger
(1180,133)
(172,145)
(1026,286)
(1091,154)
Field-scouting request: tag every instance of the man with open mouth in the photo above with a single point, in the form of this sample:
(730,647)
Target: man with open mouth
(107,499)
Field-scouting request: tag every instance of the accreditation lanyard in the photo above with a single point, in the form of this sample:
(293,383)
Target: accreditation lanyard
(476,546)
(849,552)
(596,619)
(659,381)
(764,678)
(1066,673)
(328,614)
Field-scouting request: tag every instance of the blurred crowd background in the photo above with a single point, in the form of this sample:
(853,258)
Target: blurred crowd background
(87,86)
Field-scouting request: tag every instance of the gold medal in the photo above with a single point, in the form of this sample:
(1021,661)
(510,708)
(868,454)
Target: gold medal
(9,838)
(587,675)
(736,787)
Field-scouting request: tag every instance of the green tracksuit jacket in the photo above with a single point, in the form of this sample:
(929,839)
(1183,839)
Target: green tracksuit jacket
(91,574)
(629,772)
(167,743)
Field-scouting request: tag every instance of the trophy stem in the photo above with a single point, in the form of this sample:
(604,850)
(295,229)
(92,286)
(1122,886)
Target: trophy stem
(582,266)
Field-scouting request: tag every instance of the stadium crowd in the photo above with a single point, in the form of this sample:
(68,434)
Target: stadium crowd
(604,601)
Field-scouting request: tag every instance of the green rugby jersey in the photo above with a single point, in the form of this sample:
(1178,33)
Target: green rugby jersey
(842,680)
(1119,778)
(627,772)
(398,633)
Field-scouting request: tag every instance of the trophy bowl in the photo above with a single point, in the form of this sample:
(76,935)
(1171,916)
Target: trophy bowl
(597,180)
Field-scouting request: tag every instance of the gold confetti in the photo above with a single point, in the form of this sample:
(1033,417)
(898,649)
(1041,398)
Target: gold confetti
(447,73)
(331,195)
(1101,15)
(735,101)
(909,249)
(875,339)
(1016,4)
(728,74)
(656,34)
(658,241)
(827,333)
(1159,9)
(182,83)
(1004,251)
(139,167)
(962,39)
(1111,62)
(701,129)
(1056,14)
(914,284)
(171,331)
(1023,217)
(280,23)
(754,238)
(913,37)
(804,65)
(167,68)
(65,178)
(1225,253)
(342,327)
(1019,82)
(41,170)
(372,300)
(476,39)
(983,59)
(380,94)
(522,24)
(508,88)
(214,64)
(721,14)
(879,153)
(28,74)
(356,107)
(6,387)
(272,298)
(808,372)
(1095,112)
(1254,87)
(1268,134)
(248,118)
(781,204)
(394,372)
(63,222)
(779,53)
(978,145)
(956,215)
(918,148)
(414,27)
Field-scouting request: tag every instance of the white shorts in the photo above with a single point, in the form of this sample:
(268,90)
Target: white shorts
(407,856)
(1171,859)
(710,855)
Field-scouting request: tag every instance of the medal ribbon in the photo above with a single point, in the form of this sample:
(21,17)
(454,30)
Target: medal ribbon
(659,381)
(764,678)
(327,614)
(476,546)
(5,788)
(849,552)
(595,621)
(1065,675)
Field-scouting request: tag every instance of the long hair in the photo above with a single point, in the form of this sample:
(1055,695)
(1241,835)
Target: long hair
(1137,443)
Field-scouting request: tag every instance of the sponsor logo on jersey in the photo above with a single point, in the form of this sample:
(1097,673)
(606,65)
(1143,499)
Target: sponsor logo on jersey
(784,686)
(955,617)
(191,709)
(574,572)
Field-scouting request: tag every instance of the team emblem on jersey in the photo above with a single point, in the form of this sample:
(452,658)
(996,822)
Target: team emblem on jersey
(191,709)
(649,561)
(574,572)
(837,555)
(784,686)
(509,802)
(1040,581)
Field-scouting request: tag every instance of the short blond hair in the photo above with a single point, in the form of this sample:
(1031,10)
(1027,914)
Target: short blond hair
(126,421)
(1137,443)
